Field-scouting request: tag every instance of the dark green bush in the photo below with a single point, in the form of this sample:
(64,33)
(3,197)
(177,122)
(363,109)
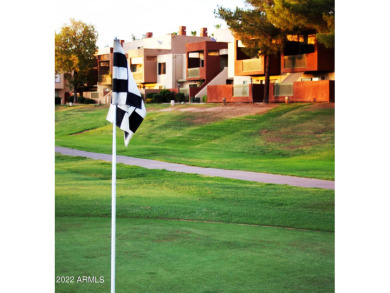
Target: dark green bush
(158,98)
(195,100)
(150,96)
(83,100)
(168,95)
(179,98)
(57,101)
(164,96)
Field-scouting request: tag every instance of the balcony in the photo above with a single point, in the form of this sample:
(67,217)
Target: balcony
(248,67)
(105,79)
(283,89)
(295,61)
(241,90)
(138,76)
(251,65)
(193,72)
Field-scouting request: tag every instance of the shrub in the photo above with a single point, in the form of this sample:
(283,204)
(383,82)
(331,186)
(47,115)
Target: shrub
(168,95)
(179,97)
(83,100)
(164,96)
(150,95)
(57,100)
(158,98)
(204,99)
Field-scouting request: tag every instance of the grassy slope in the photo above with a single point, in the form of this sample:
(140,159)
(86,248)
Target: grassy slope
(295,139)
(156,255)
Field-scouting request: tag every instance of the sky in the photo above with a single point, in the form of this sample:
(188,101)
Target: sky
(122,19)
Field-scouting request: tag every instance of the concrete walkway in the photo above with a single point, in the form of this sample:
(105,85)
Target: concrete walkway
(234,174)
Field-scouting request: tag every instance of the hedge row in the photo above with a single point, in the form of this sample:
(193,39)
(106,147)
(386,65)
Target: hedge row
(80,100)
(165,96)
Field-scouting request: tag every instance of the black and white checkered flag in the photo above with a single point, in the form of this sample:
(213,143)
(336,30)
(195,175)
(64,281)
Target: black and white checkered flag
(126,98)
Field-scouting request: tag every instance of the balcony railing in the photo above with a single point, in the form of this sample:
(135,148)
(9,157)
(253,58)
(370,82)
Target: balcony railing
(105,79)
(138,76)
(241,90)
(295,61)
(251,65)
(193,72)
(283,89)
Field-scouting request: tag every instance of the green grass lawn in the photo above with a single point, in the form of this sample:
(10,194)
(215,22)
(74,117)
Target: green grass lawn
(172,256)
(83,188)
(294,139)
(190,233)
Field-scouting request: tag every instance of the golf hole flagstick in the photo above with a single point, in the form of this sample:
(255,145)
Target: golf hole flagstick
(127,111)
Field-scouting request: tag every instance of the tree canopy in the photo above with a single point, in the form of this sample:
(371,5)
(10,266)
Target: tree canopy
(256,32)
(264,26)
(302,17)
(253,29)
(75,49)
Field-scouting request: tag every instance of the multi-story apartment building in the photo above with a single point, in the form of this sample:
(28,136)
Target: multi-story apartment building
(206,62)
(156,62)
(304,71)
(200,65)
(61,87)
(308,71)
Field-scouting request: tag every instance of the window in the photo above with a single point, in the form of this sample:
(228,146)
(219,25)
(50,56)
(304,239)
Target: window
(58,78)
(161,68)
(213,53)
(195,59)
(104,67)
(104,63)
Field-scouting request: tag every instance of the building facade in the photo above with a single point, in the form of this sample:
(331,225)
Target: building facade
(61,87)
(199,65)
(302,72)
(156,62)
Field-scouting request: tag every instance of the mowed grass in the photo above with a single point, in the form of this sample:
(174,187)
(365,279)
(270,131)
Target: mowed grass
(189,233)
(172,256)
(294,139)
(83,188)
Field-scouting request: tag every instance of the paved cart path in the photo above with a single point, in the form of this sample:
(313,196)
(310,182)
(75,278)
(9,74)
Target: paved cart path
(234,174)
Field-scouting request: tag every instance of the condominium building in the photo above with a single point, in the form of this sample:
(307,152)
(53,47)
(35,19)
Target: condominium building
(303,71)
(156,62)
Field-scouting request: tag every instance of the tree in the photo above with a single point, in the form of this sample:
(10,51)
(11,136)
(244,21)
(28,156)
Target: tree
(256,32)
(303,17)
(75,49)
(264,26)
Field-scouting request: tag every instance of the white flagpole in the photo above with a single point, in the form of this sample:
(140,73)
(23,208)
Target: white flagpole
(113,201)
(113,204)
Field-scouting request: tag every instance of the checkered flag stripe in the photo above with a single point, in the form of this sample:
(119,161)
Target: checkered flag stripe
(126,98)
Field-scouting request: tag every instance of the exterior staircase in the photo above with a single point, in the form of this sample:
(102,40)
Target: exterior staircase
(218,80)
(107,98)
